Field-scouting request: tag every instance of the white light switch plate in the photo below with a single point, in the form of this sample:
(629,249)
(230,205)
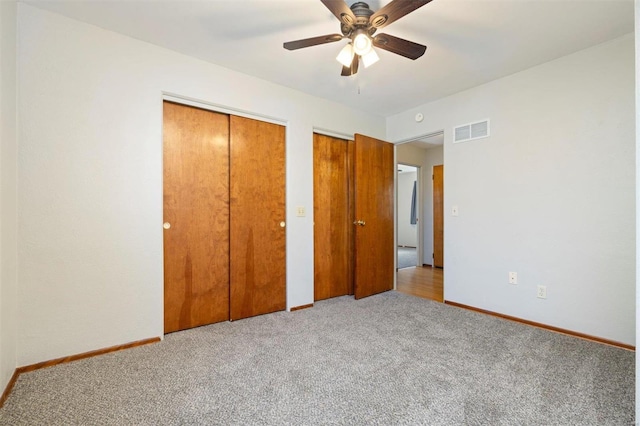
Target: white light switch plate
(454,210)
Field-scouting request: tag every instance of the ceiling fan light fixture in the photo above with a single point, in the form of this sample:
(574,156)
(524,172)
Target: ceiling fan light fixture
(370,58)
(345,57)
(362,43)
(358,24)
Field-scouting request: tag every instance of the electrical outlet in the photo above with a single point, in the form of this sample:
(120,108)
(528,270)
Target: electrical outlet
(513,278)
(542,291)
(300,211)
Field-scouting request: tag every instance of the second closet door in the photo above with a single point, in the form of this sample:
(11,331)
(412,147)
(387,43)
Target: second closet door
(257,217)
(332,217)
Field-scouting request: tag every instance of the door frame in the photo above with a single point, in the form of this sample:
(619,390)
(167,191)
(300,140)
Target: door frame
(202,104)
(433,134)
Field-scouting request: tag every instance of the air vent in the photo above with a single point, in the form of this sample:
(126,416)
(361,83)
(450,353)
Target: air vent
(471,131)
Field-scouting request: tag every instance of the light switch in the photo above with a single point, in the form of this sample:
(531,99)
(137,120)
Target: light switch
(454,210)
(300,211)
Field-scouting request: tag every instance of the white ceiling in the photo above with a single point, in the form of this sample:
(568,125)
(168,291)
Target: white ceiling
(469,42)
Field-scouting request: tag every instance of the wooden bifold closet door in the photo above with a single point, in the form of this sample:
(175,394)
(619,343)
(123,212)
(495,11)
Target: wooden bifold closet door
(224,251)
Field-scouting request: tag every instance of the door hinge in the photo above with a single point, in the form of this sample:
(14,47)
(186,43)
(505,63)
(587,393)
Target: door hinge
(433,255)
(432,178)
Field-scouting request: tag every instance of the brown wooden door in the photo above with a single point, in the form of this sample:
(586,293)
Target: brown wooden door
(333,229)
(438,216)
(196,216)
(257,154)
(374,243)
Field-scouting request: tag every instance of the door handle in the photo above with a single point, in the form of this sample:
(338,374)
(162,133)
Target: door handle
(359,222)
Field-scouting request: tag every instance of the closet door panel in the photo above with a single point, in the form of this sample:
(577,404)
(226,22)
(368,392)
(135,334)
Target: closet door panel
(331,217)
(257,215)
(374,211)
(196,216)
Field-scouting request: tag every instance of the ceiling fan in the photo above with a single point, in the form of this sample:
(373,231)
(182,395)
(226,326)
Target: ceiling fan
(359,24)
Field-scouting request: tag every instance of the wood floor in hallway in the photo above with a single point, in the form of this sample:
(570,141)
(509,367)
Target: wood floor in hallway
(425,282)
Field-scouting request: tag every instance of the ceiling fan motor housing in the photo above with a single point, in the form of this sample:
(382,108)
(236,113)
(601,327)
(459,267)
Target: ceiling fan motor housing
(362,12)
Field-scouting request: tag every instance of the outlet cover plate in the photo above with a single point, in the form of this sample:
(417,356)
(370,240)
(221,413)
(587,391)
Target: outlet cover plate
(542,292)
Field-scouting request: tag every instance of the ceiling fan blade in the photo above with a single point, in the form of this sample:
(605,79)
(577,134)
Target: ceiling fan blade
(341,11)
(313,41)
(399,46)
(351,70)
(394,11)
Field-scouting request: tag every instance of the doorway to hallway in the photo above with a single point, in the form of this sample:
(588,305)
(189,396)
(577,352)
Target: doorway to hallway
(426,279)
(408,216)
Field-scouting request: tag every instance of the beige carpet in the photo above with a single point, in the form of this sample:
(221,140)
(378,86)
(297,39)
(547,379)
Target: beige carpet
(384,360)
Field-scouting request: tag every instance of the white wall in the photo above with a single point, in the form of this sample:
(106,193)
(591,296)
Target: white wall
(407,233)
(8,189)
(549,195)
(426,159)
(90,171)
(637,121)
